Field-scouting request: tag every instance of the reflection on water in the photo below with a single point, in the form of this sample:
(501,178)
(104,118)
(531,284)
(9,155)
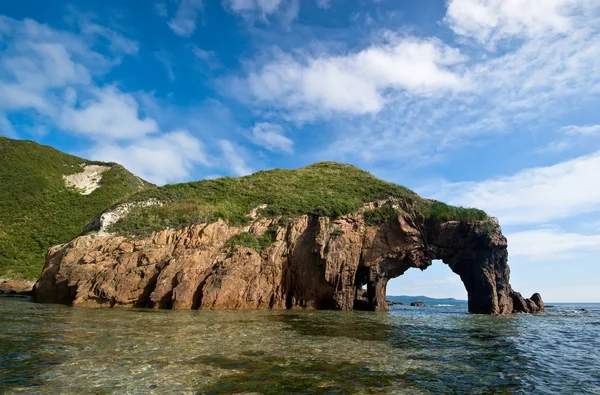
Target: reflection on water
(46,348)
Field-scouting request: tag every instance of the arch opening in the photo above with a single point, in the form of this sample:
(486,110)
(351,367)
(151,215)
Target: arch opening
(437,281)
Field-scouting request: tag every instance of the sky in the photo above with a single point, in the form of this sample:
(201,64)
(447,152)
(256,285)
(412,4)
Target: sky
(480,103)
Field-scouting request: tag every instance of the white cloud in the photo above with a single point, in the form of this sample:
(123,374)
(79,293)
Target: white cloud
(169,157)
(39,63)
(109,115)
(324,4)
(357,83)
(184,22)
(55,74)
(287,10)
(536,195)
(233,158)
(528,87)
(551,244)
(264,6)
(583,130)
(493,20)
(272,137)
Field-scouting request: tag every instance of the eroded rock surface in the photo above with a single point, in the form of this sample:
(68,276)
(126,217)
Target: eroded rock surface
(15,288)
(313,262)
(88,180)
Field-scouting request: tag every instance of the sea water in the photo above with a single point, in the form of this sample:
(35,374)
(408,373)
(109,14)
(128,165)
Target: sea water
(434,349)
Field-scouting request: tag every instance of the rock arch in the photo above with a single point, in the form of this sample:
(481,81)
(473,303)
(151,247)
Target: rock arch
(477,253)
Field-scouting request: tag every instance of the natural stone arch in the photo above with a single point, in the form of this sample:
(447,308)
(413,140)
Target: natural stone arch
(476,253)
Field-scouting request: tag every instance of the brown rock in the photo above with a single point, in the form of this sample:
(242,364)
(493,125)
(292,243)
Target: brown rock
(307,266)
(15,288)
(418,304)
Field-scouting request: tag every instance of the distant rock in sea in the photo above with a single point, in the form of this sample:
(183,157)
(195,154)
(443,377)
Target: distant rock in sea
(392,303)
(418,304)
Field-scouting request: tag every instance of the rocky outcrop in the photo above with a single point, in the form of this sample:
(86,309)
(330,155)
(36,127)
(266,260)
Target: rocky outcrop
(15,288)
(418,304)
(313,262)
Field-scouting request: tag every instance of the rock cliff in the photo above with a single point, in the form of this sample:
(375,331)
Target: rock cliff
(309,261)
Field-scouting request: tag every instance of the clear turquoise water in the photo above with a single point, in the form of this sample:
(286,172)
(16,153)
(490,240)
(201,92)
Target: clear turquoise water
(52,349)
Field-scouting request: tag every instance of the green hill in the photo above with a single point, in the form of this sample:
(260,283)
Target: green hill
(326,188)
(38,209)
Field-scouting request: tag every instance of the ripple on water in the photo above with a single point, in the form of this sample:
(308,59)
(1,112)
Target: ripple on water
(46,348)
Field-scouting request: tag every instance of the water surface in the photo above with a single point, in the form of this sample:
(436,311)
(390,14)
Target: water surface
(51,348)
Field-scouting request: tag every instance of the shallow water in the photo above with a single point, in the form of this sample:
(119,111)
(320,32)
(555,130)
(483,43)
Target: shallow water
(50,348)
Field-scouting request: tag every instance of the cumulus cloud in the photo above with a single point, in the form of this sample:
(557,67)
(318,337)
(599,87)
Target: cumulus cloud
(493,20)
(531,85)
(533,196)
(184,21)
(109,115)
(54,75)
(272,137)
(40,64)
(169,157)
(357,83)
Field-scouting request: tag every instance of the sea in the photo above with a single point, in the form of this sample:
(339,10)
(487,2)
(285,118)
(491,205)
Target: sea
(409,350)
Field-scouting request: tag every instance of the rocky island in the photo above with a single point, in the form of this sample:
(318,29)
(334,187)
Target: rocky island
(314,237)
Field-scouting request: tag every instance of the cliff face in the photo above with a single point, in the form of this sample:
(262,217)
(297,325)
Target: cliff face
(312,262)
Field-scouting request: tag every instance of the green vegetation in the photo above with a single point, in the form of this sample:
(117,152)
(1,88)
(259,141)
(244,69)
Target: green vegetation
(258,244)
(336,233)
(37,210)
(380,215)
(326,189)
(442,212)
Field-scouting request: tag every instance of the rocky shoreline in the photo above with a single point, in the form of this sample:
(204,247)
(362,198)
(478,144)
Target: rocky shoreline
(16,288)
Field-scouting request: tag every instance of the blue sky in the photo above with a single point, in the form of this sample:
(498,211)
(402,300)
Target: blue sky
(485,103)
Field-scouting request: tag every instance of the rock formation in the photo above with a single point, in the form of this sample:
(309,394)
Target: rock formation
(15,288)
(312,262)
(418,304)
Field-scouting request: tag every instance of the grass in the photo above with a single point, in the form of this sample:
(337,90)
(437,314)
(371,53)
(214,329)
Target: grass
(380,215)
(38,211)
(441,212)
(258,244)
(326,189)
(336,233)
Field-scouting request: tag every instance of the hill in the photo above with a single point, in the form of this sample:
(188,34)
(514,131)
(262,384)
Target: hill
(327,189)
(39,208)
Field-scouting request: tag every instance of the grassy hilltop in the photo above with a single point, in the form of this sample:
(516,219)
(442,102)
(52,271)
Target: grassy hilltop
(37,209)
(325,188)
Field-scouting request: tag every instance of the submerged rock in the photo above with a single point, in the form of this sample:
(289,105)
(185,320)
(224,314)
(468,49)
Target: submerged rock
(418,304)
(392,303)
(312,262)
